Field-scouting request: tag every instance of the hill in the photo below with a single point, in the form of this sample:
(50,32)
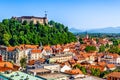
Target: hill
(73,30)
(106,30)
(13,32)
(101,30)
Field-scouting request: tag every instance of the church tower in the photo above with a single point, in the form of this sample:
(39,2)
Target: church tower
(87,36)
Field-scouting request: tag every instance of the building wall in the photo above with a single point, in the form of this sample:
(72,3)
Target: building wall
(53,68)
(35,20)
(0,57)
(60,59)
(35,56)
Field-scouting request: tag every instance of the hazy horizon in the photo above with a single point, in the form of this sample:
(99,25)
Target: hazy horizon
(79,14)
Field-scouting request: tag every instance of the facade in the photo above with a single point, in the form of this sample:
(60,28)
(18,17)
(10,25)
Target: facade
(115,61)
(52,67)
(41,20)
(64,68)
(60,58)
(8,55)
(35,54)
(11,54)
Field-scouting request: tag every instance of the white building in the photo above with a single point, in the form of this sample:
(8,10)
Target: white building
(52,67)
(65,67)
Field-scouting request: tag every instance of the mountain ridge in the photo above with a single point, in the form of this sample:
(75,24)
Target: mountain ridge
(100,30)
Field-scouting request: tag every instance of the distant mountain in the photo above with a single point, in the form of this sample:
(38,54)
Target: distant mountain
(105,30)
(73,30)
(101,30)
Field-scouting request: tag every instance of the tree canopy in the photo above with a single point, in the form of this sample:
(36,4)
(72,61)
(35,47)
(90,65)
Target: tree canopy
(13,32)
(90,48)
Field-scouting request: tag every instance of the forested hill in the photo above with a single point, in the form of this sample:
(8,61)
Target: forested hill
(12,33)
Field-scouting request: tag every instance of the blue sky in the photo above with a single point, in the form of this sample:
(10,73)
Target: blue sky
(80,14)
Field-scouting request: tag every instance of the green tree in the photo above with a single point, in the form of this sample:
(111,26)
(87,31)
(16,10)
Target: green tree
(13,32)
(114,49)
(23,62)
(6,38)
(102,48)
(95,72)
(90,48)
(83,69)
(102,74)
(115,42)
(81,41)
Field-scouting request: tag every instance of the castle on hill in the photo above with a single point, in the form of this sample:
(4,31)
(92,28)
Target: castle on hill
(41,20)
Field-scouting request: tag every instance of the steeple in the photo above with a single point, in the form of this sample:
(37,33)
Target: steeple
(87,36)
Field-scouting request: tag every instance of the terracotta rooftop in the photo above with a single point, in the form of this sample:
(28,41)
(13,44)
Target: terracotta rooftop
(36,51)
(114,74)
(31,62)
(6,64)
(110,65)
(32,46)
(47,47)
(102,63)
(10,48)
(74,71)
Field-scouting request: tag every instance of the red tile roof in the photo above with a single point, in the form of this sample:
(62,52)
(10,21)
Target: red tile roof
(6,64)
(111,65)
(102,63)
(36,51)
(74,71)
(32,46)
(114,74)
(10,48)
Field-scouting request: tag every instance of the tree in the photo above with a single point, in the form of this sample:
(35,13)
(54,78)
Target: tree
(83,69)
(95,72)
(81,41)
(115,42)
(114,49)
(23,62)
(90,48)
(102,74)
(107,45)
(6,38)
(24,22)
(13,32)
(102,48)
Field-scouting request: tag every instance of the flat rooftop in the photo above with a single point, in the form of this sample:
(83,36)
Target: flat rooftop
(89,78)
(48,64)
(39,70)
(17,75)
(53,75)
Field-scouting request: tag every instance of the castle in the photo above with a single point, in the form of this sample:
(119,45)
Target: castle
(41,20)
